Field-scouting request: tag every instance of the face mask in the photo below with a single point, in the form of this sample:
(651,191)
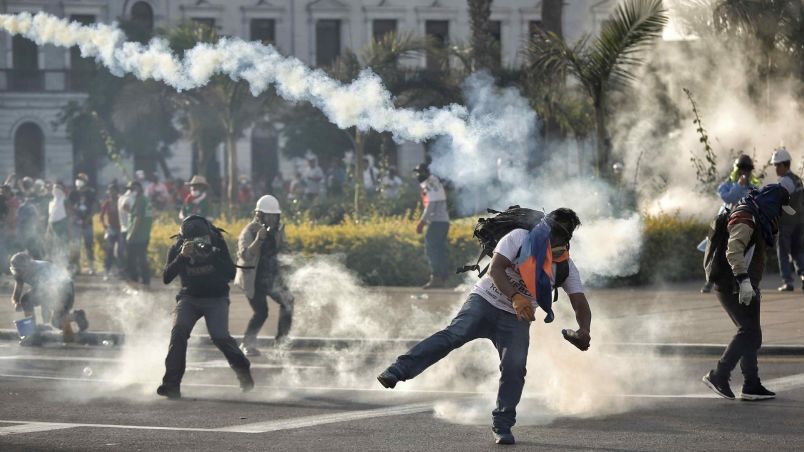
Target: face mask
(80,183)
(195,192)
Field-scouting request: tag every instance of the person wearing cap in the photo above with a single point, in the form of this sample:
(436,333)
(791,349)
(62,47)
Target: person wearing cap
(739,183)
(197,202)
(259,274)
(790,245)
(200,259)
(83,204)
(51,288)
(138,236)
(751,228)
(436,218)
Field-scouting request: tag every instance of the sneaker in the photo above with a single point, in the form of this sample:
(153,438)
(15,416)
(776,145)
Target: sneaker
(246,382)
(756,392)
(388,378)
(786,287)
(169,391)
(249,351)
(718,384)
(706,288)
(81,320)
(503,435)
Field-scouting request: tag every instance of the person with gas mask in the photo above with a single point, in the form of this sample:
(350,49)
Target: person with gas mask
(51,288)
(501,308)
(201,260)
(258,272)
(436,218)
(751,228)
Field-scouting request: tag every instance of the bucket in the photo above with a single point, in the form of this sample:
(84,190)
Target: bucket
(25,327)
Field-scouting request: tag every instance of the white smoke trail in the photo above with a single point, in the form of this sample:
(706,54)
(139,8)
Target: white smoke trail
(364,103)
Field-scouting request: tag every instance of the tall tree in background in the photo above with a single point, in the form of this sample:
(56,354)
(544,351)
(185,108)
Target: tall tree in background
(608,62)
(482,41)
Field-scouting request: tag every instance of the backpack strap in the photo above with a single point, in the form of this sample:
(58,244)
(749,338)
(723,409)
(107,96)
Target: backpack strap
(562,273)
(467,268)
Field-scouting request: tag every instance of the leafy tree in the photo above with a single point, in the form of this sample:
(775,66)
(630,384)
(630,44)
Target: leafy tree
(602,64)
(482,42)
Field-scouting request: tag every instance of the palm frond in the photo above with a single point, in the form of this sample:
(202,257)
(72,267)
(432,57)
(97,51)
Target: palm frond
(548,57)
(633,27)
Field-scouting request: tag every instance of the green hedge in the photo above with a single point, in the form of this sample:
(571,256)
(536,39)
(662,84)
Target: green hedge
(387,250)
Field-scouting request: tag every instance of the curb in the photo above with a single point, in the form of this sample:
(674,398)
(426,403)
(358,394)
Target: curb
(107,338)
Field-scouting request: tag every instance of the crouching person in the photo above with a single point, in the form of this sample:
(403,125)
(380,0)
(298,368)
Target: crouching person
(200,258)
(501,307)
(258,272)
(51,288)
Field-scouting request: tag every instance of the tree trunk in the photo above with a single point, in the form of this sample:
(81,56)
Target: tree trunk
(359,188)
(482,41)
(601,140)
(231,159)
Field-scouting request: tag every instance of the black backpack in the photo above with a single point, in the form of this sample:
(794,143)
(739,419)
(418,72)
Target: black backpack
(489,231)
(716,266)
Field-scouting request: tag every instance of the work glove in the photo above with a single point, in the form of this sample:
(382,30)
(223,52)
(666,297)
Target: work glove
(746,291)
(579,339)
(523,308)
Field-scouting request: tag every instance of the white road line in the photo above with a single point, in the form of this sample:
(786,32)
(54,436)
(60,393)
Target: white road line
(785,383)
(32,428)
(258,427)
(309,421)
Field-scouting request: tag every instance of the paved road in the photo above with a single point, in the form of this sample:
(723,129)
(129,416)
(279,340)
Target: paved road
(337,307)
(101,398)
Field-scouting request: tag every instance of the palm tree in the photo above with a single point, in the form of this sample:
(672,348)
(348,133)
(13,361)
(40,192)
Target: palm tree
(605,63)
(482,42)
(382,56)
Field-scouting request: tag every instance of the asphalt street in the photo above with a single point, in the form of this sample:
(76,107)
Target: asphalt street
(72,397)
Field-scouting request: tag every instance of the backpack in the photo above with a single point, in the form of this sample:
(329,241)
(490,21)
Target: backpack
(716,267)
(489,231)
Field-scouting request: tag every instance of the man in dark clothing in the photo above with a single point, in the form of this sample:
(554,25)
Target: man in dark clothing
(202,262)
(751,228)
(139,236)
(29,223)
(790,243)
(84,206)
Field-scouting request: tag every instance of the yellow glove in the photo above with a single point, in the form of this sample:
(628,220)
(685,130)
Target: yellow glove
(523,308)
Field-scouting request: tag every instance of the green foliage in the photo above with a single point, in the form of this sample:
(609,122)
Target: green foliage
(669,250)
(705,168)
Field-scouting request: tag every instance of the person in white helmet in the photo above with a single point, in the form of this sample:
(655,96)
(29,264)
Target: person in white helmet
(790,244)
(258,272)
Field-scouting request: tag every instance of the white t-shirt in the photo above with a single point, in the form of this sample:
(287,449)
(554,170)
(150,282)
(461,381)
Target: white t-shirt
(508,246)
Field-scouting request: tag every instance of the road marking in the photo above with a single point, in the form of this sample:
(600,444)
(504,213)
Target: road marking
(214,364)
(785,383)
(257,427)
(309,421)
(31,428)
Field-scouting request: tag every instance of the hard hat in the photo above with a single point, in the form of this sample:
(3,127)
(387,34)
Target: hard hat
(744,162)
(268,204)
(780,155)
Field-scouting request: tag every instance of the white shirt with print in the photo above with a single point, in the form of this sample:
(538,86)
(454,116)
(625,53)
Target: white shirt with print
(508,247)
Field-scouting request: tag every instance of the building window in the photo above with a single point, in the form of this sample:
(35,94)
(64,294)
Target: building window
(207,21)
(81,69)
(143,16)
(382,27)
(263,30)
(495,29)
(327,41)
(535,26)
(29,151)
(25,75)
(438,32)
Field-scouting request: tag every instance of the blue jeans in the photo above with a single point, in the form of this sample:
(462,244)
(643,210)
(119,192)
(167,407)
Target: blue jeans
(478,319)
(789,246)
(435,245)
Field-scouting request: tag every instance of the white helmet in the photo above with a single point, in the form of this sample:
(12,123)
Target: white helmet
(268,204)
(780,155)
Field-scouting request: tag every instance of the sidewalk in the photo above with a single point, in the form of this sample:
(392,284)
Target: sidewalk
(676,314)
